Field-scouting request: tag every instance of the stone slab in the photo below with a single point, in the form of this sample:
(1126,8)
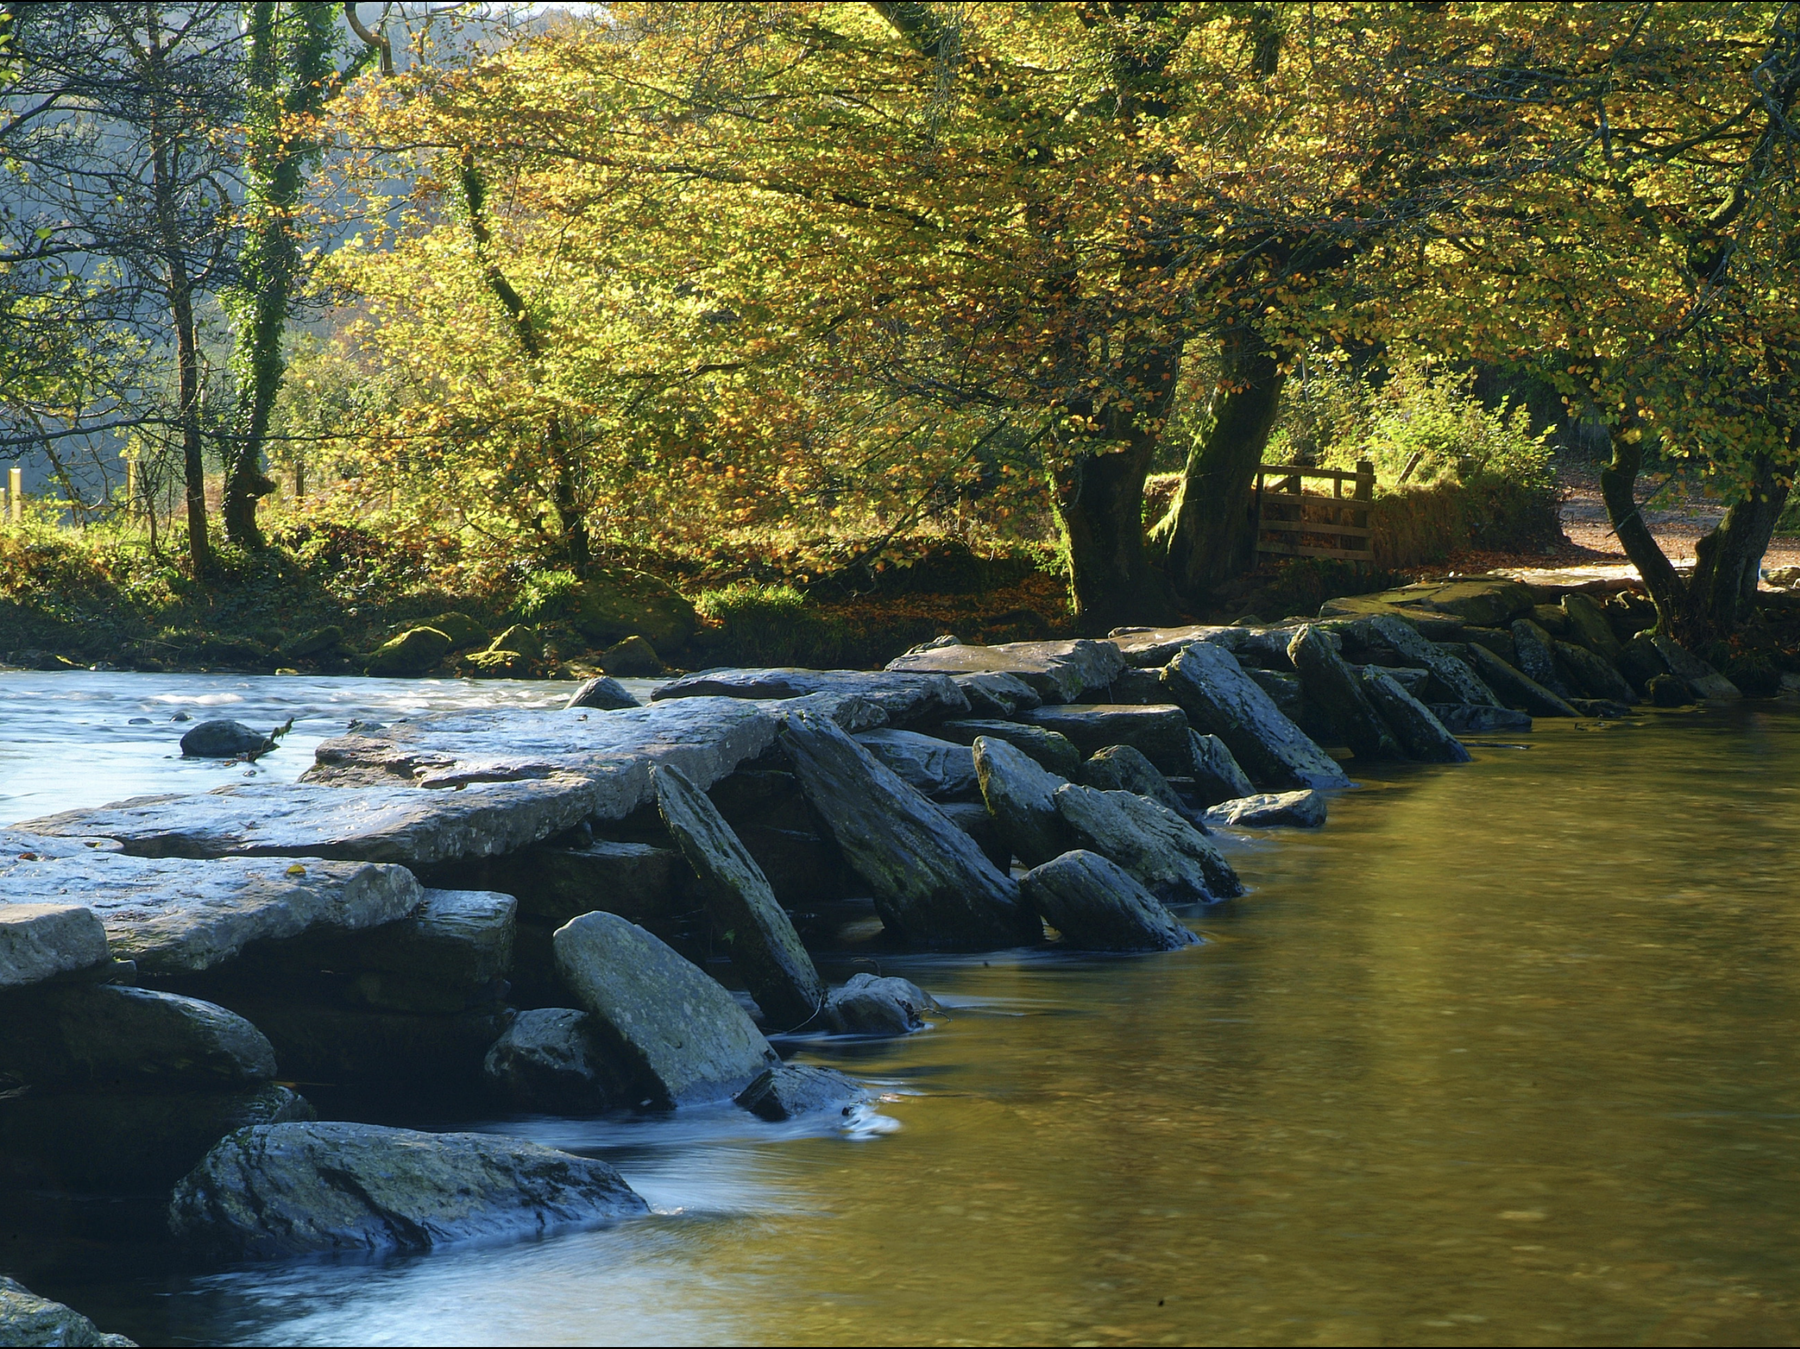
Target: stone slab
(938,768)
(178,915)
(903,698)
(104,1038)
(1059,672)
(27,1319)
(1052,750)
(42,941)
(1099,906)
(374,824)
(1158,731)
(1266,810)
(1220,699)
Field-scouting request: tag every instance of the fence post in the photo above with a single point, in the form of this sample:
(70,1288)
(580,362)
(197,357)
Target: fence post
(15,495)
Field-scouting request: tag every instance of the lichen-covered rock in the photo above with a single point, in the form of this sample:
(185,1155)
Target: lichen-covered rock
(1456,680)
(1334,689)
(224,739)
(938,768)
(1123,768)
(1702,679)
(932,885)
(1208,684)
(632,658)
(1420,734)
(870,1004)
(603,693)
(614,603)
(1217,776)
(462,630)
(1168,856)
(303,1189)
(550,1060)
(409,655)
(99,1037)
(1589,627)
(682,1034)
(40,941)
(27,1319)
(1021,796)
(796,1089)
(1535,659)
(1098,906)
(1267,810)
(1159,732)
(761,938)
(1051,749)
(1517,689)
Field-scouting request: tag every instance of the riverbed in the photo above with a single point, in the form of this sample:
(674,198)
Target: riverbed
(1505,1053)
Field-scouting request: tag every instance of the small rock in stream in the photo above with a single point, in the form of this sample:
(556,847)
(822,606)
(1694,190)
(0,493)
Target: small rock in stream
(1099,906)
(224,739)
(301,1189)
(874,1005)
(1299,810)
(1217,776)
(603,693)
(794,1089)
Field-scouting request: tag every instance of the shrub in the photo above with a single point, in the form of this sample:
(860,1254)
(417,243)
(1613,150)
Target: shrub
(548,595)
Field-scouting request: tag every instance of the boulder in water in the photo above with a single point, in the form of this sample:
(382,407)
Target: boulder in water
(1220,699)
(1217,776)
(1535,658)
(301,1189)
(1515,688)
(41,941)
(1053,750)
(1421,734)
(550,1060)
(795,1089)
(938,768)
(872,1005)
(1300,810)
(1454,679)
(1159,731)
(995,694)
(96,1036)
(1332,687)
(1475,719)
(1589,627)
(1123,768)
(409,655)
(676,1029)
(1098,906)
(1591,676)
(224,739)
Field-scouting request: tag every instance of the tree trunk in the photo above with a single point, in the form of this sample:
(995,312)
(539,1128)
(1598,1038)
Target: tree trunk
(1617,483)
(1728,561)
(1209,534)
(1099,504)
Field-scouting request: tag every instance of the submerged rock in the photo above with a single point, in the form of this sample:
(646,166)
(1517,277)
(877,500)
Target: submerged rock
(1267,810)
(302,1189)
(761,938)
(869,1004)
(1098,906)
(1421,734)
(1469,719)
(603,693)
(1021,796)
(27,1319)
(795,1089)
(1333,688)
(931,883)
(1168,856)
(1220,699)
(549,1059)
(682,1034)
(224,739)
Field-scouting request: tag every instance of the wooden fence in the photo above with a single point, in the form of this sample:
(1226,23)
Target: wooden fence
(1296,523)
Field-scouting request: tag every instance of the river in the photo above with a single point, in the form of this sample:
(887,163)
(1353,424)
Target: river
(1504,1054)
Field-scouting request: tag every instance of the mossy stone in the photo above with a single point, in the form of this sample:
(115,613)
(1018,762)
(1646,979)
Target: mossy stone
(413,652)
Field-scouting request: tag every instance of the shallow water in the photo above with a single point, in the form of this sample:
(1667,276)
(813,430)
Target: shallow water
(1506,1053)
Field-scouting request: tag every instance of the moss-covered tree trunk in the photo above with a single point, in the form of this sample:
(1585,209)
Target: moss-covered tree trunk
(1209,533)
(1728,561)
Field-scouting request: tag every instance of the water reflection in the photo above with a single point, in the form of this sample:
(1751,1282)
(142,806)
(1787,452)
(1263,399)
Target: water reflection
(1505,1054)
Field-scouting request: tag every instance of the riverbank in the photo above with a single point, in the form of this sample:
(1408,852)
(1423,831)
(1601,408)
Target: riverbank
(936,804)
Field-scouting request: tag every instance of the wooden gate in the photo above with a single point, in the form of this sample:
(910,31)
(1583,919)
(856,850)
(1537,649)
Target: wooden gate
(1297,523)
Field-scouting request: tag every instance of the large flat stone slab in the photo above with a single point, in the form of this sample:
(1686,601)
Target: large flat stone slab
(938,768)
(373,824)
(901,698)
(1059,672)
(706,738)
(98,1037)
(178,915)
(1481,601)
(1158,731)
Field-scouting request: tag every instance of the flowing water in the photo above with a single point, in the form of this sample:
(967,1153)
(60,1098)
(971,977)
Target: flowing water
(1504,1054)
